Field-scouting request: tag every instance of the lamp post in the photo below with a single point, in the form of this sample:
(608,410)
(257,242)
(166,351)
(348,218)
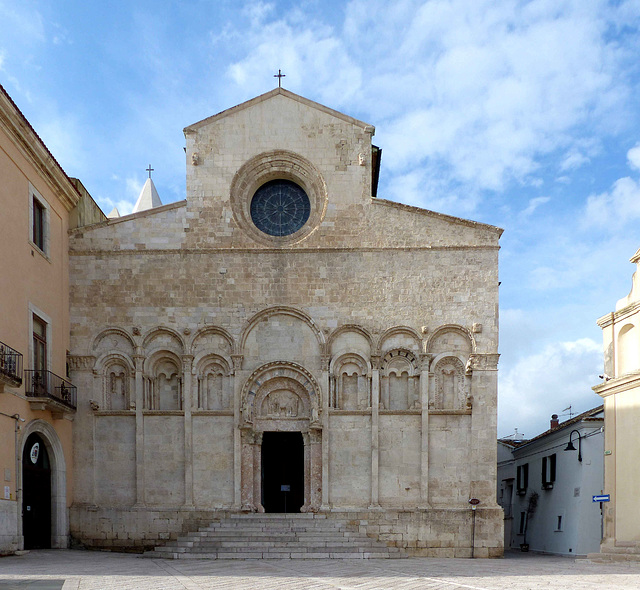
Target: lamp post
(570,446)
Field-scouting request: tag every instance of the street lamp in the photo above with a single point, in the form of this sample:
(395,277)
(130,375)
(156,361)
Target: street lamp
(570,446)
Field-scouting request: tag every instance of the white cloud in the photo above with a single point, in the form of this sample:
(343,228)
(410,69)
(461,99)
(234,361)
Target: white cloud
(480,91)
(615,208)
(573,160)
(633,156)
(309,53)
(533,205)
(544,383)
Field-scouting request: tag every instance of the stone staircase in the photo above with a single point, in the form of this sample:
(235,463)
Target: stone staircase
(277,536)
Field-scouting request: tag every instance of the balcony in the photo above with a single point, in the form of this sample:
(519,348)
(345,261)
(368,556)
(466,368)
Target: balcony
(48,391)
(10,366)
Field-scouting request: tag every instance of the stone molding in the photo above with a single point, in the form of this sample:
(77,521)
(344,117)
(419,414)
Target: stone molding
(81,363)
(483,362)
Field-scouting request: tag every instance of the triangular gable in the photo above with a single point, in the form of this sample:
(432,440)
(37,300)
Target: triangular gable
(271,94)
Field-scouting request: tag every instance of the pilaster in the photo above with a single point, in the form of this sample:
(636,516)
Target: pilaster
(237,421)
(375,430)
(138,360)
(188,404)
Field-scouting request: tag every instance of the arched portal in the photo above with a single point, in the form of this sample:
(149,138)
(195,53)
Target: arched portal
(36,494)
(281,440)
(43,483)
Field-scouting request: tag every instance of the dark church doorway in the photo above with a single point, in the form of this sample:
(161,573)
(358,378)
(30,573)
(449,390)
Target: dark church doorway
(36,494)
(282,471)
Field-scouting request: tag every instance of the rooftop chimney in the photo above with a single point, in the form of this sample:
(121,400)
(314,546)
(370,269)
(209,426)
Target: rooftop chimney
(554,421)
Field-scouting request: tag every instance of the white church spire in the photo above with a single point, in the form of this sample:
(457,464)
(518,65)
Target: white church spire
(149,197)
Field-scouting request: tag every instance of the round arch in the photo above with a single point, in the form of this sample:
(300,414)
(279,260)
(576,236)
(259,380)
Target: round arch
(257,386)
(286,311)
(110,332)
(228,338)
(148,337)
(455,329)
(399,331)
(349,328)
(59,516)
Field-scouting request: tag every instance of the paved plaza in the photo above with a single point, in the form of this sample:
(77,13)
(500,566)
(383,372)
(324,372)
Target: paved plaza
(84,570)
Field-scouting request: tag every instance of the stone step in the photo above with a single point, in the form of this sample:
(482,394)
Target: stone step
(275,534)
(292,555)
(277,537)
(276,545)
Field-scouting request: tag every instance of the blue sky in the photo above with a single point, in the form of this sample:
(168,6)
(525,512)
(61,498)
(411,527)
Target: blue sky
(519,114)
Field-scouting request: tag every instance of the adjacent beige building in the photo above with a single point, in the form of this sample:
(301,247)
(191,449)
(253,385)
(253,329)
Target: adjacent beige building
(620,391)
(38,205)
(282,340)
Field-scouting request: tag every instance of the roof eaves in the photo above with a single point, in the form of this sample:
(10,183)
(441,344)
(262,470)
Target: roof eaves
(16,125)
(587,416)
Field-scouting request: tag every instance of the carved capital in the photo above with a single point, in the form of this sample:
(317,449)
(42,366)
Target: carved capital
(187,360)
(237,361)
(315,436)
(81,363)
(248,436)
(376,361)
(138,360)
(425,359)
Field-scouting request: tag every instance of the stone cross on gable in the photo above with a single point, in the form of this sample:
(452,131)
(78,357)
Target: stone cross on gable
(279,75)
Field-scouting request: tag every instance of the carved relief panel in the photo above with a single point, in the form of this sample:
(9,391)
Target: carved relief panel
(282,404)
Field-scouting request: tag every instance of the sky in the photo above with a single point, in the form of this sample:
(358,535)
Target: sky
(520,114)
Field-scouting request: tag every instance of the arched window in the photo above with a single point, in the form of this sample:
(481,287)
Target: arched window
(400,386)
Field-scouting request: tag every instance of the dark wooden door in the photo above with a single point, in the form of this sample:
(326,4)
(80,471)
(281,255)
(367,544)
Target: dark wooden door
(36,494)
(282,471)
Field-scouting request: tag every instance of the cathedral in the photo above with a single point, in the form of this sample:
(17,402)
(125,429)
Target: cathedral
(285,341)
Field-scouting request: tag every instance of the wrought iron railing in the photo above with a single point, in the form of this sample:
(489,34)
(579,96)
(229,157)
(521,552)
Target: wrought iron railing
(48,384)
(10,364)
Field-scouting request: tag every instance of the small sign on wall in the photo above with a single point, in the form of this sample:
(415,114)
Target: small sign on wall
(7,493)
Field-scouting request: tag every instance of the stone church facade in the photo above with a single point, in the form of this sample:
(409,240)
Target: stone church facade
(282,335)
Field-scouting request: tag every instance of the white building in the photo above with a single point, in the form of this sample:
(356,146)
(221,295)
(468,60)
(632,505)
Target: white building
(566,520)
(620,392)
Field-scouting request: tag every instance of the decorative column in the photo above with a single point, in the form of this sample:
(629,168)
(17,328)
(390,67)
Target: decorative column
(257,471)
(138,359)
(306,505)
(425,361)
(247,476)
(237,423)
(315,469)
(325,448)
(187,404)
(375,426)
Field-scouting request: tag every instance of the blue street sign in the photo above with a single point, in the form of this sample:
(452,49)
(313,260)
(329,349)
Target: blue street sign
(602,498)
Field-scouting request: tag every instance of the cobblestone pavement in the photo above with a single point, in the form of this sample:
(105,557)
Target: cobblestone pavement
(85,570)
